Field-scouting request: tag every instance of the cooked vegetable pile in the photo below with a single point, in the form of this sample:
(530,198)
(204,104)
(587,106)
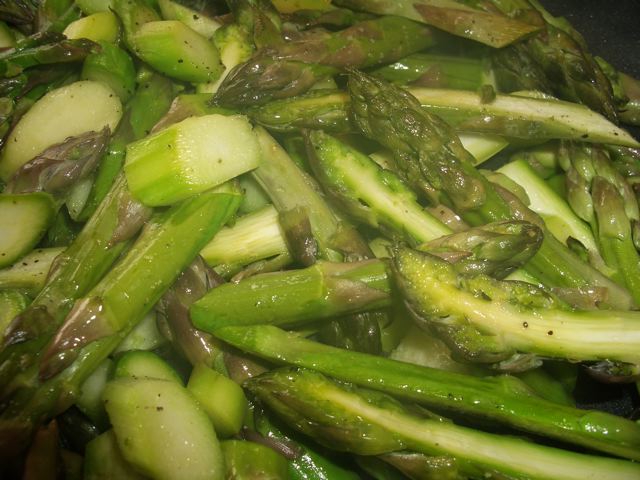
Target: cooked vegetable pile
(255,240)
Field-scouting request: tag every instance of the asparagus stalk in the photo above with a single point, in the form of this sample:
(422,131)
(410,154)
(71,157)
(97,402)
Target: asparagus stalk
(324,290)
(290,188)
(502,399)
(463,72)
(99,321)
(30,274)
(328,289)
(292,191)
(518,117)
(560,54)
(430,157)
(306,462)
(561,221)
(517,316)
(197,346)
(148,104)
(374,196)
(292,68)
(457,17)
(340,416)
(255,236)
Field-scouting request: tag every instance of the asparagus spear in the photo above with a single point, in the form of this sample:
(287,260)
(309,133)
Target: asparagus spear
(518,117)
(329,289)
(430,157)
(60,166)
(502,399)
(306,462)
(555,60)
(99,320)
(518,316)
(292,68)
(464,72)
(456,17)
(290,188)
(341,416)
(197,346)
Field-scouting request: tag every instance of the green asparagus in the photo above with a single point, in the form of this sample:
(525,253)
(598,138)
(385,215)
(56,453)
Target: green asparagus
(292,68)
(395,264)
(503,399)
(431,158)
(342,416)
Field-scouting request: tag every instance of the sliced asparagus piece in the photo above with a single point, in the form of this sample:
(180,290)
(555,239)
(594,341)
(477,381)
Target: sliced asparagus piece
(255,236)
(190,157)
(162,431)
(77,108)
(25,219)
(176,50)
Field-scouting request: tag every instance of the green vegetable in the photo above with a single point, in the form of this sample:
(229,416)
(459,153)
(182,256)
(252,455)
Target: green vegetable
(68,105)
(103,460)
(99,27)
(176,50)
(502,399)
(161,430)
(457,17)
(220,397)
(247,460)
(143,364)
(342,416)
(190,157)
(19,236)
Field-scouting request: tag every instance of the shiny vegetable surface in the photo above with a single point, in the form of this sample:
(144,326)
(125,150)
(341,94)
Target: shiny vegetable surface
(316,239)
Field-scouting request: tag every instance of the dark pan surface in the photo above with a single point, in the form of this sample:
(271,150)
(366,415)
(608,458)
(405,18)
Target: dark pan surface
(611,28)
